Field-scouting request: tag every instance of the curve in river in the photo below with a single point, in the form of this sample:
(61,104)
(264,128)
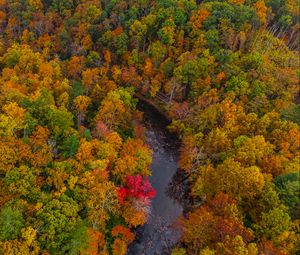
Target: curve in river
(158,235)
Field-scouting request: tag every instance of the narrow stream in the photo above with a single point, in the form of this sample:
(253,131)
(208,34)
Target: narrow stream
(159,235)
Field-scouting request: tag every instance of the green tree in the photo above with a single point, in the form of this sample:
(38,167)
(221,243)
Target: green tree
(62,7)
(69,146)
(78,240)
(274,223)
(11,223)
(58,219)
(288,188)
(59,120)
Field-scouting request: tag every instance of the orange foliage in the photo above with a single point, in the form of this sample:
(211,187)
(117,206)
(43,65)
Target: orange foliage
(96,243)
(46,70)
(213,222)
(85,152)
(75,66)
(38,142)
(238,2)
(119,247)
(117,31)
(187,154)
(123,233)
(198,17)
(134,217)
(261,10)
(107,56)
(2,16)
(148,67)
(220,77)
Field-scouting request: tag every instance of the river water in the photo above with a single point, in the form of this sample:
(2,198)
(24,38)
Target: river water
(159,235)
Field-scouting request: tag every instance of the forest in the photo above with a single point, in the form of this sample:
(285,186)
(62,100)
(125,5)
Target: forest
(74,163)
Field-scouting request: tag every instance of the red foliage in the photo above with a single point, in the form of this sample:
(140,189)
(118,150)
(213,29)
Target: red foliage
(136,187)
(122,195)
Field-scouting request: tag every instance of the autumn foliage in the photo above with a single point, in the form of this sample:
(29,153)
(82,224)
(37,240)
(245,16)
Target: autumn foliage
(73,163)
(136,188)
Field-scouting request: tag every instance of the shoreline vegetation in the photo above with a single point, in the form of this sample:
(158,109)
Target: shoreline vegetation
(74,166)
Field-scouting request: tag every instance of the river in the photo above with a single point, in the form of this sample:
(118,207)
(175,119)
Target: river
(158,235)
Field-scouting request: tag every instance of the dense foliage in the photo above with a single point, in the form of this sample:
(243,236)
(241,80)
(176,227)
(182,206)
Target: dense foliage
(73,166)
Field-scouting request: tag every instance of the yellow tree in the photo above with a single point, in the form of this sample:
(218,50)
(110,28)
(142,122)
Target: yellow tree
(81,104)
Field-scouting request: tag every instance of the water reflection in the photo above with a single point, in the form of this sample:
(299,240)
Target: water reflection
(179,190)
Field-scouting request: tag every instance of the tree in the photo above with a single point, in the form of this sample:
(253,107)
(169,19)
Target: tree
(63,8)
(253,151)
(69,146)
(236,246)
(239,85)
(96,242)
(84,153)
(157,52)
(213,223)
(138,32)
(188,154)
(123,237)
(78,240)
(274,223)
(81,104)
(58,219)
(22,182)
(112,111)
(234,179)
(261,11)
(137,188)
(59,121)
(13,152)
(13,119)
(11,223)
(42,153)
(135,158)
(92,60)
(123,233)
(287,186)
(198,17)
(75,67)
(102,203)
(119,247)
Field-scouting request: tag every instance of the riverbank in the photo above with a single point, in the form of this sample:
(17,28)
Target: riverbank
(155,107)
